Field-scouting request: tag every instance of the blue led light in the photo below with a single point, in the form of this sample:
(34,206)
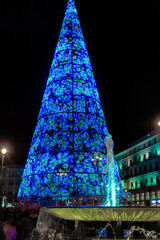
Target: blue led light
(67,153)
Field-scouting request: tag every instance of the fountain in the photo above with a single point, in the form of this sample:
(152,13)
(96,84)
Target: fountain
(114,186)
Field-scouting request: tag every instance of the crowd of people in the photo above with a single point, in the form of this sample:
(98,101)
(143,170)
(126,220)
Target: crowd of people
(17,223)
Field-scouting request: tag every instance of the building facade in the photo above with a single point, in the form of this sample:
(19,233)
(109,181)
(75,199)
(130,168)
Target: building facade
(11,177)
(139,167)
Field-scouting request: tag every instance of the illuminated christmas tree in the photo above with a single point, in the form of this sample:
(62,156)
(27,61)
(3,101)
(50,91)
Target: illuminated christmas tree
(66,157)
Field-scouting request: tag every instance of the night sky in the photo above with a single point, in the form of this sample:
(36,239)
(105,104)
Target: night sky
(122,41)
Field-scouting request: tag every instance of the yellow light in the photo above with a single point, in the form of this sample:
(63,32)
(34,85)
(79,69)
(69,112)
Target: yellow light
(159,123)
(4,151)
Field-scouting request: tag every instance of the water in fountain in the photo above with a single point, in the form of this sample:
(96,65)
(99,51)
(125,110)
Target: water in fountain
(114,187)
(148,234)
(105,228)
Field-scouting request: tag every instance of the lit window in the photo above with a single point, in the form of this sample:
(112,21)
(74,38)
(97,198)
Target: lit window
(153,196)
(142,196)
(131,185)
(158,194)
(156,152)
(137,196)
(147,196)
(132,197)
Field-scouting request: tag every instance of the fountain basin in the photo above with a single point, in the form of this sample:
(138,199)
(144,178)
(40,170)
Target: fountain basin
(131,214)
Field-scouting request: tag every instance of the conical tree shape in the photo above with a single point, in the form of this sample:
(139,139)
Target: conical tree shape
(64,159)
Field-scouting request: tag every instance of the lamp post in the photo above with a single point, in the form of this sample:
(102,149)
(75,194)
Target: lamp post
(3,151)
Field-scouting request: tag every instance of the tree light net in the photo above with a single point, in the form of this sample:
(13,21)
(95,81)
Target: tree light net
(67,157)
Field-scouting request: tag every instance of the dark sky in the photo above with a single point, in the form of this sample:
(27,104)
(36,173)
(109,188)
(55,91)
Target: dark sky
(122,41)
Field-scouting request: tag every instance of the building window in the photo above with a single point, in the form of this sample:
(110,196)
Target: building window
(155,152)
(158,194)
(145,169)
(137,196)
(153,196)
(131,185)
(146,182)
(135,171)
(140,170)
(18,181)
(136,184)
(142,196)
(156,165)
(11,174)
(157,180)
(141,183)
(143,203)
(147,196)
(144,156)
(10,182)
(18,174)
(150,166)
(151,180)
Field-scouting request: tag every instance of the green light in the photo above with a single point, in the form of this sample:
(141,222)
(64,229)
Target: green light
(158,151)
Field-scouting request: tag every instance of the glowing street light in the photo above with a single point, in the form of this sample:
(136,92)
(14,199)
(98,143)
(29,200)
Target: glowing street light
(158,123)
(3,151)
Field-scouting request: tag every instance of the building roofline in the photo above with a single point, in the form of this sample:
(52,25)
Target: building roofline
(18,166)
(149,135)
(140,140)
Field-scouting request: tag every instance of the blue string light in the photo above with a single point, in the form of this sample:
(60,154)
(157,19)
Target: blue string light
(67,153)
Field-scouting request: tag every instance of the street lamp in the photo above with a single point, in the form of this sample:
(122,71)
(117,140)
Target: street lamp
(158,123)
(3,151)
